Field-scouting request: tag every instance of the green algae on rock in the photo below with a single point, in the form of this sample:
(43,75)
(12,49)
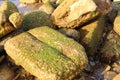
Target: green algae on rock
(91,35)
(66,45)
(35,19)
(41,60)
(111,49)
(117,23)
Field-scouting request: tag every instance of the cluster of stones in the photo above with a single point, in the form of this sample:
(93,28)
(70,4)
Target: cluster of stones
(56,39)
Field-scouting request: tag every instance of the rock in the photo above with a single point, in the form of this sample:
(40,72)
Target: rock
(116,5)
(51,1)
(7,28)
(8,7)
(107,68)
(116,0)
(29,1)
(45,1)
(91,35)
(67,46)
(6,73)
(43,60)
(116,67)
(36,19)
(72,33)
(117,77)
(2,58)
(109,75)
(47,7)
(113,13)
(71,14)
(110,51)
(117,24)
(3,18)
(16,19)
(58,2)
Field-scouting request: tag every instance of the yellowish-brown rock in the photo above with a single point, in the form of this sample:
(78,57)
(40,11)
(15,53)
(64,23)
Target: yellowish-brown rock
(29,1)
(117,23)
(47,7)
(91,35)
(74,13)
(117,77)
(16,19)
(70,13)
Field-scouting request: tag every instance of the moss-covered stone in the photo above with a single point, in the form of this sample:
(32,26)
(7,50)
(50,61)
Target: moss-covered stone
(117,23)
(67,46)
(111,49)
(35,19)
(91,35)
(43,61)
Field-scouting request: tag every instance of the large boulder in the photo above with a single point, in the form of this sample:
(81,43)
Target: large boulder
(73,13)
(47,54)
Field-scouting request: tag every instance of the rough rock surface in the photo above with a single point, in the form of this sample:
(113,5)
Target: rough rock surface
(91,35)
(29,1)
(49,59)
(110,51)
(68,15)
(117,23)
(36,19)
